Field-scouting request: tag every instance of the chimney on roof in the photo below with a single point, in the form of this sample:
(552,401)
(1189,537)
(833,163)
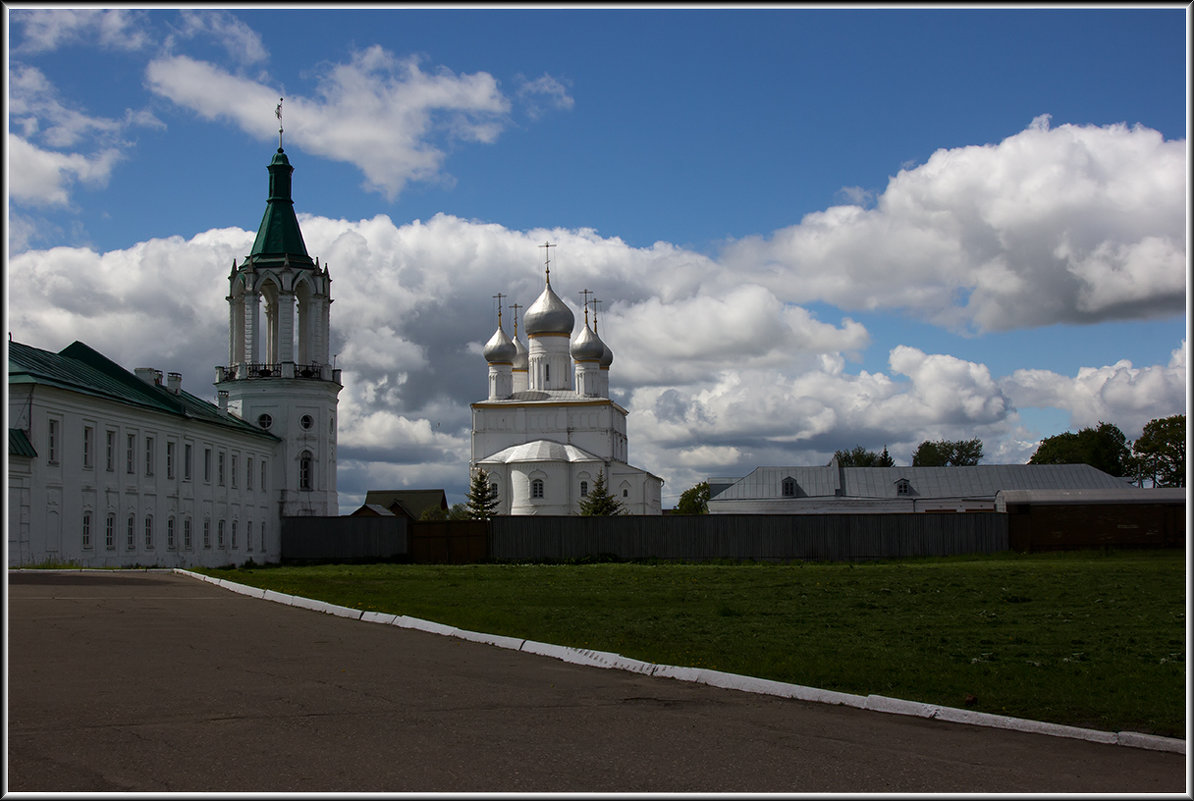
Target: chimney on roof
(174,382)
(222,400)
(147,374)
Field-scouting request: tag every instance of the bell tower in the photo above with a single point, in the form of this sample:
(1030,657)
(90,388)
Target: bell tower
(278,375)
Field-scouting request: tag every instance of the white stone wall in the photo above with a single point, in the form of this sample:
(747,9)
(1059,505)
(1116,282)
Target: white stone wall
(287,401)
(598,427)
(63,489)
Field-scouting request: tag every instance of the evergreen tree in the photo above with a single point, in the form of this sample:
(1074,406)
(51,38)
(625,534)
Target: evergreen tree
(599,503)
(482,497)
(861,457)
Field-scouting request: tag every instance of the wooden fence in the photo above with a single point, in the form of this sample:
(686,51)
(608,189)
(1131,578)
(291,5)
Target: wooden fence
(696,538)
(828,538)
(331,539)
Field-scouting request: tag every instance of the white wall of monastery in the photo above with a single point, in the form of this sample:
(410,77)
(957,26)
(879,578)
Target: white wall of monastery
(116,485)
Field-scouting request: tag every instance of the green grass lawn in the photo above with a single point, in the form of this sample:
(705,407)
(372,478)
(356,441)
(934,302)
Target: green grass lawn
(1093,639)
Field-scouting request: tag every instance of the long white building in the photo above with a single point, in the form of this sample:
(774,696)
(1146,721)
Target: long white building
(110,468)
(549,427)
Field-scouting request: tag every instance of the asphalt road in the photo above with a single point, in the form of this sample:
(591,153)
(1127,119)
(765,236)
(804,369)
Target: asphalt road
(158,682)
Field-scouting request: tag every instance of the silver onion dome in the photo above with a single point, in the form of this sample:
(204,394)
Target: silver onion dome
(587,347)
(499,349)
(607,358)
(521,355)
(548,315)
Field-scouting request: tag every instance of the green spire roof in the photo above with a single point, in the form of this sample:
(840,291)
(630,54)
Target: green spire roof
(279,234)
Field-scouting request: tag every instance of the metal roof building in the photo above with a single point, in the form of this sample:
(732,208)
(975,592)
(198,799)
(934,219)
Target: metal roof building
(835,489)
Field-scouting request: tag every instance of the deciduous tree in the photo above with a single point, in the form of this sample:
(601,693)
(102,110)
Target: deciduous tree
(1104,447)
(694,500)
(1159,455)
(956,453)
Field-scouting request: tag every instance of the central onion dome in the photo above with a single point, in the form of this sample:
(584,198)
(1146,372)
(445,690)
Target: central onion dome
(548,315)
(587,347)
(499,349)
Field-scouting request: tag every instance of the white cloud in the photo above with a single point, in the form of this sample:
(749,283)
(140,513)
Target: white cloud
(44,30)
(381,113)
(717,381)
(544,91)
(243,43)
(43,178)
(1119,393)
(1071,224)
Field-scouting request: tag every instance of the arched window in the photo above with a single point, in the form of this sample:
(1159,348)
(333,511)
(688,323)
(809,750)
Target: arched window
(789,488)
(305,468)
(537,488)
(584,489)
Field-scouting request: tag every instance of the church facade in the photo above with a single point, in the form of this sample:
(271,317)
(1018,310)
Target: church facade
(548,427)
(111,468)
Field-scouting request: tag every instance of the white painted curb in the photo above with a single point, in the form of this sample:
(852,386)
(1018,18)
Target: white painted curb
(717,678)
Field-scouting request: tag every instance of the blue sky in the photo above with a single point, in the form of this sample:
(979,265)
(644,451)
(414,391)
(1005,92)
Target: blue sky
(811,228)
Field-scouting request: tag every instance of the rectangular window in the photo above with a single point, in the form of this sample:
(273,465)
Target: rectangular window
(207,465)
(87,530)
(186,533)
(110,533)
(130,540)
(249,536)
(131,456)
(149,456)
(186,462)
(170,533)
(149,532)
(206,533)
(234,535)
(220,534)
(169,460)
(220,468)
(88,444)
(263,475)
(53,448)
(111,441)
(233,460)
(249,473)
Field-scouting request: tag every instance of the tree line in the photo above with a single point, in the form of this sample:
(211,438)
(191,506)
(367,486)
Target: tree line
(1157,458)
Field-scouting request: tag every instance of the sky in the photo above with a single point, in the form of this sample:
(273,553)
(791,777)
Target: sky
(810,229)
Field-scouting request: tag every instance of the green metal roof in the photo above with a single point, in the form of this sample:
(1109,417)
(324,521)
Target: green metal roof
(80,368)
(19,444)
(279,235)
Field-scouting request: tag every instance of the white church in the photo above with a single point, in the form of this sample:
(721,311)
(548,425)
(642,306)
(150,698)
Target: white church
(549,427)
(111,468)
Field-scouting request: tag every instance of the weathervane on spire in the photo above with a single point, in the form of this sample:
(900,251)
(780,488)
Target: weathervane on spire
(278,114)
(547,259)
